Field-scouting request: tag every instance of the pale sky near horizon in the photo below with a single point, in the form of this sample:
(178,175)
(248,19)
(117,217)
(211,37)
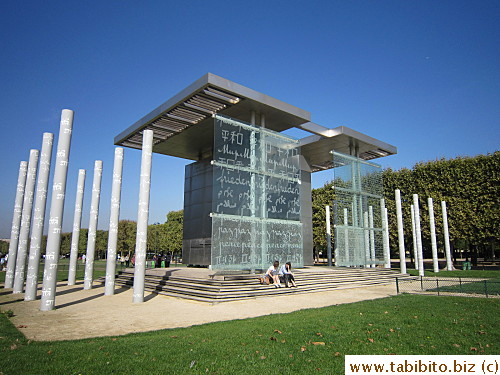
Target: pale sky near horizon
(420,75)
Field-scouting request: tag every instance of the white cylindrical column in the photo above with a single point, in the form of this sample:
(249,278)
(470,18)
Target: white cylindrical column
(142,216)
(328,237)
(38,218)
(367,239)
(418,232)
(114,217)
(77,223)
(435,263)
(414,235)
(22,247)
(94,214)
(372,236)
(401,238)
(56,212)
(16,224)
(449,260)
(346,236)
(385,234)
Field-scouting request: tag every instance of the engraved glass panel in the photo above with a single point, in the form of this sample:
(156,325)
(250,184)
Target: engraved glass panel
(357,212)
(256,197)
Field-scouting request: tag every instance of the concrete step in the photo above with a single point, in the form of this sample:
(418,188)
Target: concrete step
(236,287)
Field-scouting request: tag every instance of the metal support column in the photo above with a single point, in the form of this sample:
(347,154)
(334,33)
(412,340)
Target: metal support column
(94,215)
(56,212)
(22,247)
(16,224)
(77,222)
(142,217)
(435,263)
(418,234)
(114,217)
(449,260)
(38,217)
(401,238)
(328,237)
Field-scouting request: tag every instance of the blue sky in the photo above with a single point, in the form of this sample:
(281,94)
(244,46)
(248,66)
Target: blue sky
(421,75)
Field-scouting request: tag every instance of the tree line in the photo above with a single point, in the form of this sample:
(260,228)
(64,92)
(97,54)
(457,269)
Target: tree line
(469,185)
(166,237)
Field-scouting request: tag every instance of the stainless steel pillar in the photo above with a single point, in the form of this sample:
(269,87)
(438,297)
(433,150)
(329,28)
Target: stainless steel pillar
(142,216)
(346,237)
(22,247)
(449,261)
(366,224)
(38,218)
(435,263)
(94,214)
(418,234)
(414,235)
(77,222)
(401,238)
(372,237)
(385,234)
(328,237)
(16,224)
(56,212)
(114,217)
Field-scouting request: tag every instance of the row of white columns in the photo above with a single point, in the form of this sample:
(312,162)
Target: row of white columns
(416,232)
(22,222)
(417,235)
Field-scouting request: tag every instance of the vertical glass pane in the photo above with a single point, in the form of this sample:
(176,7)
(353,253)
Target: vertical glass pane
(256,197)
(357,214)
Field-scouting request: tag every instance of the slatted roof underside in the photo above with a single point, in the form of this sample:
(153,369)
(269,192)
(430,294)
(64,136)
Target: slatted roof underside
(201,105)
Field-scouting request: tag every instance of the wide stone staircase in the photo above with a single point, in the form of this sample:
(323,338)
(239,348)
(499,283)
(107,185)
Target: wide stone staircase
(209,286)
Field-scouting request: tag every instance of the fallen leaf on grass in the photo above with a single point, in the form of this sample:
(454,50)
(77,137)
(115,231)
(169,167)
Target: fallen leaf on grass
(318,343)
(473,349)
(371,340)
(482,332)
(283,341)
(13,347)
(392,330)
(456,345)
(273,338)
(303,349)
(49,352)
(278,331)
(262,357)
(290,355)
(319,334)
(337,354)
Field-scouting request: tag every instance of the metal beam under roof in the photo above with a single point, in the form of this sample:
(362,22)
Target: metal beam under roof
(183,125)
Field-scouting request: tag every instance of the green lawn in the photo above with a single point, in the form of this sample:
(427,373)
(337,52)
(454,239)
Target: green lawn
(63,267)
(304,342)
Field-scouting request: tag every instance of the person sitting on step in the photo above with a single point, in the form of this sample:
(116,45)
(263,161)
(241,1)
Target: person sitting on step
(287,275)
(272,275)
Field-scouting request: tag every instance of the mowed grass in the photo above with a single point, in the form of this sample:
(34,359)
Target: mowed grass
(63,268)
(304,342)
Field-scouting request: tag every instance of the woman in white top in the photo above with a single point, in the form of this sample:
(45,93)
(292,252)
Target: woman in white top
(273,274)
(286,273)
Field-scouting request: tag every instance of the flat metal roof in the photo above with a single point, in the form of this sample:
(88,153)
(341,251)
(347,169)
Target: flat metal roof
(183,125)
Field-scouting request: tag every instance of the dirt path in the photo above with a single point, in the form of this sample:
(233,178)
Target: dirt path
(88,313)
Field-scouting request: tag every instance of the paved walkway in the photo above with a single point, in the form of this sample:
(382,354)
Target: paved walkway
(88,313)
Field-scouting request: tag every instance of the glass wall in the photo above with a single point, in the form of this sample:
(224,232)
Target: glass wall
(256,197)
(357,211)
